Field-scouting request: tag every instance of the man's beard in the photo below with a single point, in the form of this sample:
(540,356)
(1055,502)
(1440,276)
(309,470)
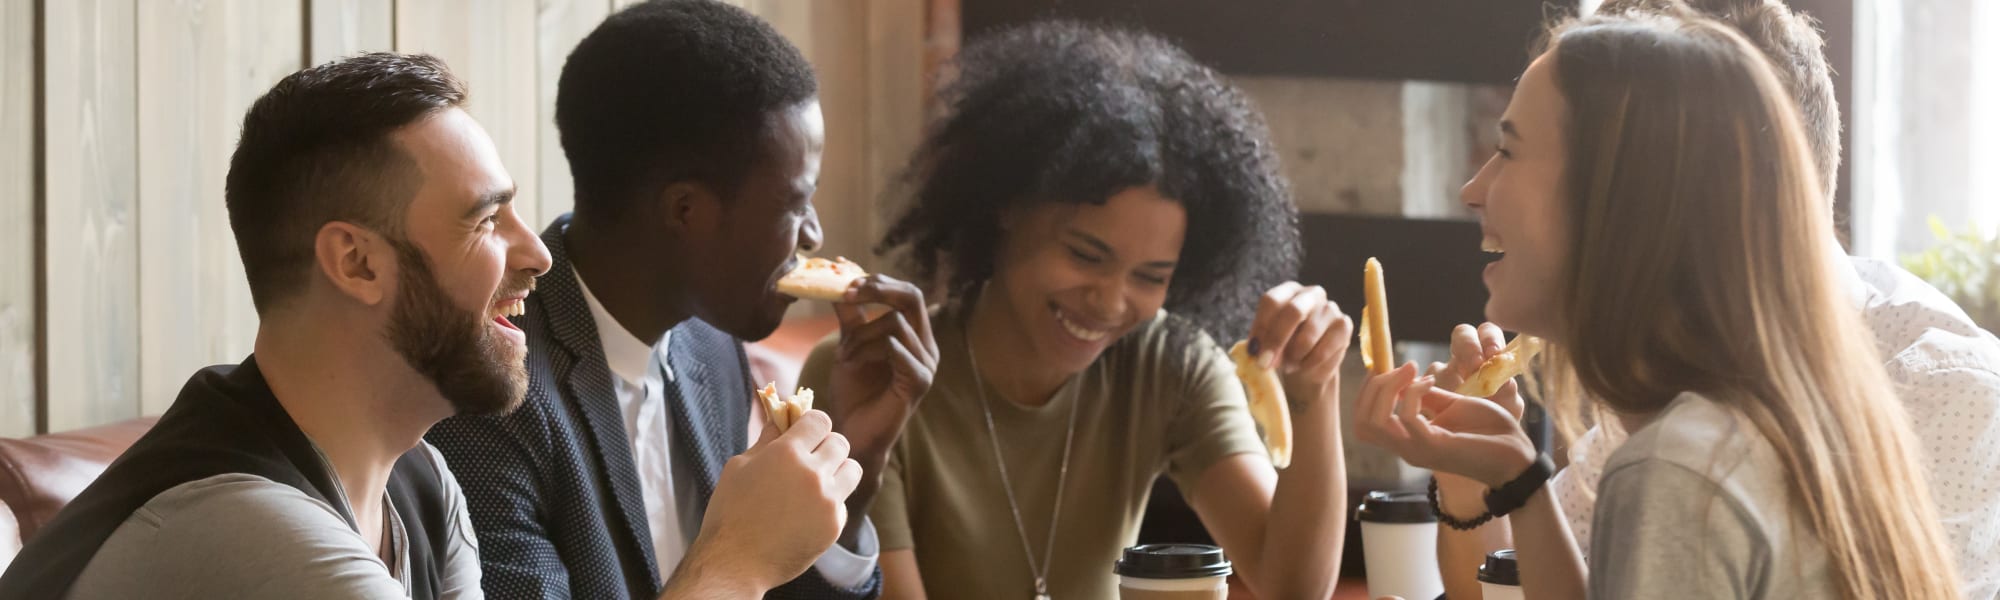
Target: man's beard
(475,368)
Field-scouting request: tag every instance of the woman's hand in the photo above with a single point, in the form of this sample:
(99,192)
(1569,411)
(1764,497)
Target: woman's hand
(1303,335)
(1470,348)
(1472,437)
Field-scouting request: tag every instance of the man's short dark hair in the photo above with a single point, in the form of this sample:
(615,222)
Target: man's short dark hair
(316,149)
(672,90)
(1792,43)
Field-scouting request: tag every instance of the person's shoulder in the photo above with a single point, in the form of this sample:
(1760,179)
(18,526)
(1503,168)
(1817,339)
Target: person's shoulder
(434,461)
(241,507)
(1694,432)
(700,335)
(1920,330)
(213,380)
(1167,354)
(1696,447)
(532,424)
(235,532)
(539,425)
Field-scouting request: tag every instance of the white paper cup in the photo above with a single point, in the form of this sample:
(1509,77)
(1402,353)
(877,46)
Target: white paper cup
(1399,545)
(1490,591)
(1200,588)
(1173,572)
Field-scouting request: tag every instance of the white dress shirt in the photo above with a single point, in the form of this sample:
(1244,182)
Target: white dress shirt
(642,400)
(1945,369)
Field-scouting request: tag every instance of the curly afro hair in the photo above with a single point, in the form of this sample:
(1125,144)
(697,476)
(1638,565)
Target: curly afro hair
(1059,111)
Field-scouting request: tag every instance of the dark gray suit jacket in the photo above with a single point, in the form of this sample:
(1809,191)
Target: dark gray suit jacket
(554,495)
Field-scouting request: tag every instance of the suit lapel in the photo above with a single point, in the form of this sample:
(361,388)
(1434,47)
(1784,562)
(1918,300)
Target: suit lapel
(587,387)
(712,414)
(694,427)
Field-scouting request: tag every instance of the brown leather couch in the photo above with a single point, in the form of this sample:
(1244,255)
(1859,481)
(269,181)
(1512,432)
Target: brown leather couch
(38,475)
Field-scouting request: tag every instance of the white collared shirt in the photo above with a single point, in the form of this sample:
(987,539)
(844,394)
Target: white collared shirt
(1945,369)
(642,401)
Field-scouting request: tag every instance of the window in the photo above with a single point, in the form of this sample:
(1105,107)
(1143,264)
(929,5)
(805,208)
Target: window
(1926,121)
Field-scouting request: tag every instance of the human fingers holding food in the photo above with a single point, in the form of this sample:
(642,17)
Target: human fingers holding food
(1476,358)
(780,504)
(882,367)
(884,363)
(1294,351)
(1462,435)
(1484,364)
(1301,334)
(900,338)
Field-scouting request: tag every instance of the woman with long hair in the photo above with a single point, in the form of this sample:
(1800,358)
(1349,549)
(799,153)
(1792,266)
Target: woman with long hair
(1104,216)
(1661,223)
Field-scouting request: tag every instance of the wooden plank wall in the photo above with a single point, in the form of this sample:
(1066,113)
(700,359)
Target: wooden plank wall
(90,226)
(491,46)
(200,65)
(342,27)
(559,26)
(118,272)
(19,355)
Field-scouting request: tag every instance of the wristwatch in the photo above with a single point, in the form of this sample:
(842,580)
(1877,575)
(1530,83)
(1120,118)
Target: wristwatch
(1513,494)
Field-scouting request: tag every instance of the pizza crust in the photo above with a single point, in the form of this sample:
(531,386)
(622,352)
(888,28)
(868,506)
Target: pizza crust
(817,278)
(1268,407)
(785,413)
(1378,353)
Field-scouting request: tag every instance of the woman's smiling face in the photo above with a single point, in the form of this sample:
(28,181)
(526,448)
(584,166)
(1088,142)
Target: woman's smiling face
(1076,277)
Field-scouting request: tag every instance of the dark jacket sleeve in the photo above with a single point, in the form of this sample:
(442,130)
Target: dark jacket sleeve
(495,468)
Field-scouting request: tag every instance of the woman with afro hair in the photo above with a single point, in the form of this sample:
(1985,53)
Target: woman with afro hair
(1102,216)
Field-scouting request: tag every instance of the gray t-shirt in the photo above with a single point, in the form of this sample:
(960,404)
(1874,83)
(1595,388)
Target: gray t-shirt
(244,536)
(1695,506)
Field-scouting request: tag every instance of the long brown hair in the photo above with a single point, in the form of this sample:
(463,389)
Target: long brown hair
(1700,262)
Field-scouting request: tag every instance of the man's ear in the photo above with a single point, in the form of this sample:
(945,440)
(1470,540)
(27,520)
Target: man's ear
(356,261)
(689,207)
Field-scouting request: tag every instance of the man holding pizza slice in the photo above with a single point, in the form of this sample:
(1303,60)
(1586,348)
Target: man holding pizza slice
(641,463)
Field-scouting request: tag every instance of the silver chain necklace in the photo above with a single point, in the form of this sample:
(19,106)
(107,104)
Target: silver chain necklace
(1055,515)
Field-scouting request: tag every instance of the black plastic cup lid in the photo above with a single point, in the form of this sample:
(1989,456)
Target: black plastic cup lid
(1173,561)
(1500,568)
(1396,507)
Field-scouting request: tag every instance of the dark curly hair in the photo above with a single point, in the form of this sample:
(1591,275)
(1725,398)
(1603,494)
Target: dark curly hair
(1059,111)
(672,90)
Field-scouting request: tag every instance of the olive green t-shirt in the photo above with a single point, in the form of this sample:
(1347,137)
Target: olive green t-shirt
(1146,406)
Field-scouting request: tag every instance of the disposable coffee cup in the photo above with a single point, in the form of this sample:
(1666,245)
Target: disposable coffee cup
(1399,545)
(1500,577)
(1173,572)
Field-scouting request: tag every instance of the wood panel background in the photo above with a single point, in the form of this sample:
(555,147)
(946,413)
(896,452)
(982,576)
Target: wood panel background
(119,276)
(491,46)
(19,360)
(90,223)
(200,65)
(342,27)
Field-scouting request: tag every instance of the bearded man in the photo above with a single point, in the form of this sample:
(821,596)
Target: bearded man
(373,218)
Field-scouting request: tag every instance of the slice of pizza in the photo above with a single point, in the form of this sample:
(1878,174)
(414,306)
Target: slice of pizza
(785,413)
(820,279)
(1509,363)
(1266,397)
(774,407)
